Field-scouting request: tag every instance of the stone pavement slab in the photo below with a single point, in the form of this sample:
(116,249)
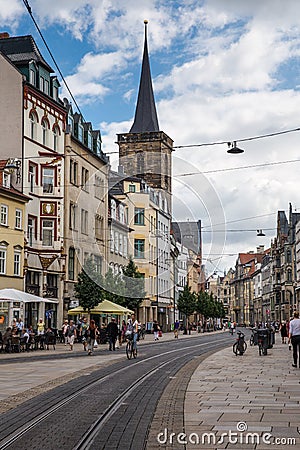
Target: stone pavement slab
(258,395)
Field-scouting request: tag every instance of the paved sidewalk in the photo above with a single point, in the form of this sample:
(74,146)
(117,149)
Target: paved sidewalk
(258,395)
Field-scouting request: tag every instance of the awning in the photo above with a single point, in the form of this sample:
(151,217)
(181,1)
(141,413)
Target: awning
(14,295)
(105,307)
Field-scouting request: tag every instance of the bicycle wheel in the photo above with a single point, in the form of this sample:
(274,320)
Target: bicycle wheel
(134,352)
(235,348)
(242,347)
(251,341)
(128,350)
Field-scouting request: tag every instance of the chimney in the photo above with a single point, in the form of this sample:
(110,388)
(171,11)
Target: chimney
(260,249)
(4,35)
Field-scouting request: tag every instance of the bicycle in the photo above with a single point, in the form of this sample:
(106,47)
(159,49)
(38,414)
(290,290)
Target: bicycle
(262,342)
(240,346)
(130,350)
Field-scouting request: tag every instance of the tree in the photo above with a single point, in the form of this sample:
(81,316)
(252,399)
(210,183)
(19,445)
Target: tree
(88,289)
(134,286)
(186,302)
(113,287)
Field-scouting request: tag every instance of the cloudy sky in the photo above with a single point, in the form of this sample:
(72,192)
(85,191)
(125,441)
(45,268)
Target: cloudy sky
(222,71)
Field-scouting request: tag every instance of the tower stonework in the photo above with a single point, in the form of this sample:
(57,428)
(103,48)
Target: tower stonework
(148,155)
(145,151)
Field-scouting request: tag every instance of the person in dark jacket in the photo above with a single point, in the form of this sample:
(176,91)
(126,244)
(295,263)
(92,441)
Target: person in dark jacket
(112,332)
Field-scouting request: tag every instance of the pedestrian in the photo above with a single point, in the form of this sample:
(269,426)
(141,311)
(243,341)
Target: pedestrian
(92,332)
(283,332)
(20,325)
(132,327)
(112,332)
(71,334)
(232,328)
(176,327)
(82,331)
(294,336)
(123,331)
(40,327)
(155,328)
(64,329)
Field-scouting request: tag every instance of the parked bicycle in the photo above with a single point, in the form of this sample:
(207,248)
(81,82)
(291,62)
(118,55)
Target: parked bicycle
(130,350)
(240,346)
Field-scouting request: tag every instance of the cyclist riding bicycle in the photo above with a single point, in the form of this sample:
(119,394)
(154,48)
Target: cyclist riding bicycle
(132,327)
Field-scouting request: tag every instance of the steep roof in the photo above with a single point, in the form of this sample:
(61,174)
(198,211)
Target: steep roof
(145,114)
(21,50)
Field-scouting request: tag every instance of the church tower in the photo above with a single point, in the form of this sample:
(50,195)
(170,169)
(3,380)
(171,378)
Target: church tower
(146,152)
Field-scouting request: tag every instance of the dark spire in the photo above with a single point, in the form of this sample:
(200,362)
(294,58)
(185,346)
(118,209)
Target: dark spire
(145,114)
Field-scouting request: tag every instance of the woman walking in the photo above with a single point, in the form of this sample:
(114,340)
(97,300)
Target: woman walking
(92,332)
(283,332)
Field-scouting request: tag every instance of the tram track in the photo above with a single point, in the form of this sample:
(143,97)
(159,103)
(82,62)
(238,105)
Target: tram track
(140,375)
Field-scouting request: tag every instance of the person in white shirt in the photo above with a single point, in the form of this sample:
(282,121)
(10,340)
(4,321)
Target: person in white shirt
(294,336)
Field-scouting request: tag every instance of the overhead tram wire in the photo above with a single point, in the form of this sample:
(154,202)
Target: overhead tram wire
(252,138)
(28,7)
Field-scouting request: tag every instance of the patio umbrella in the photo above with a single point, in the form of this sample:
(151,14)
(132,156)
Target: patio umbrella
(14,295)
(105,307)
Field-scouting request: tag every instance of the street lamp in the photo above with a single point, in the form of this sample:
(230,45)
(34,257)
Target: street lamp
(233,149)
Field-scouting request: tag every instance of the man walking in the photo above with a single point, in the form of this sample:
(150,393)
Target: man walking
(112,332)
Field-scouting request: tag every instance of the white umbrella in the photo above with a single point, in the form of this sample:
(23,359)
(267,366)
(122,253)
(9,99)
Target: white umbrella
(14,295)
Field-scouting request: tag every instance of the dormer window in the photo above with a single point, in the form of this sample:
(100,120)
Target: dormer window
(89,140)
(6,180)
(32,77)
(46,89)
(80,132)
(55,93)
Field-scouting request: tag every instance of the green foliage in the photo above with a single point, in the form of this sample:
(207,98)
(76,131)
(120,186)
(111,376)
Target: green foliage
(186,302)
(113,287)
(209,307)
(134,286)
(88,289)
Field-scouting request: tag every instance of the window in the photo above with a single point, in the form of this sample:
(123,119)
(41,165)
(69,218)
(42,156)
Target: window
(131,188)
(80,132)
(72,217)
(112,242)
(45,128)
(33,125)
(99,188)
(120,244)
(71,263)
(32,176)
(139,248)
(116,242)
(73,172)
(2,260)
(139,216)
(90,140)
(125,245)
(48,180)
(4,215)
(31,230)
(99,227)
(6,180)
(84,179)
(47,232)
(113,208)
(17,263)
(42,84)
(84,221)
(55,92)
(46,88)
(98,263)
(56,133)
(121,214)
(32,77)
(18,223)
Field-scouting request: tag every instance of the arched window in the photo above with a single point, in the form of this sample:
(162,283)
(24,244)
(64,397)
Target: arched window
(33,124)
(56,134)
(113,209)
(45,129)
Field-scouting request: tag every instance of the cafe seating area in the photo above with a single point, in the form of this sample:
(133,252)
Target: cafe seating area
(19,344)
